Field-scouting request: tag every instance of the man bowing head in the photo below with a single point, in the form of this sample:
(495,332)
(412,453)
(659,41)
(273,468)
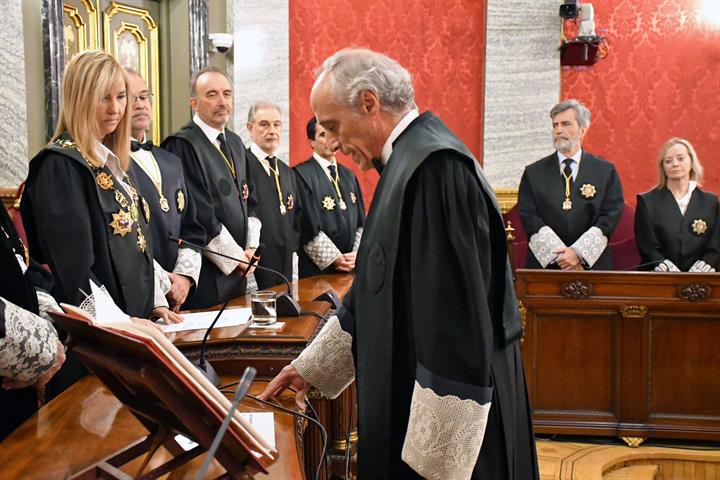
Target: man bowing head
(430,328)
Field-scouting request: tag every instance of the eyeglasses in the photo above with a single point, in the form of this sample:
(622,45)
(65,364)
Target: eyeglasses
(145,97)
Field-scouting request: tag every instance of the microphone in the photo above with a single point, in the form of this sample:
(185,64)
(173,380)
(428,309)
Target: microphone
(240,392)
(646,264)
(286,305)
(202,364)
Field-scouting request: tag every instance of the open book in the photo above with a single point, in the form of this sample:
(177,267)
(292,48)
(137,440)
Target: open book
(159,385)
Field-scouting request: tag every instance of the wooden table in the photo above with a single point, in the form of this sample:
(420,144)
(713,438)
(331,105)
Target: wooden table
(628,354)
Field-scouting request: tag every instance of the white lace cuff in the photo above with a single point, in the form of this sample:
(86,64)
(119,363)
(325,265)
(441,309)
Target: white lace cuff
(444,434)
(358,237)
(254,230)
(46,303)
(327,363)
(322,251)
(162,286)
(225,243)
(590,245)
(701,267)
(666,266)
(188,263)
(542,245)
(29,346)
(295,269)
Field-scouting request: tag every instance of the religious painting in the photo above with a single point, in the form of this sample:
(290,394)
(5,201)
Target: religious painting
(79,26)
(131,35)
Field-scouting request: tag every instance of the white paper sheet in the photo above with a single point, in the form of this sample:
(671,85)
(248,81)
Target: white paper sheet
(106,311)
(263,423)
(231,317)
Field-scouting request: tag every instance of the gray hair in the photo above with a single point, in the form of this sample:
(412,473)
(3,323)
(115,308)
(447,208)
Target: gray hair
(199,73)
(353,70)
(582,114)
(255,107)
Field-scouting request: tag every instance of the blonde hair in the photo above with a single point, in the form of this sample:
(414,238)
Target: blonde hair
(87,80)
(696,168)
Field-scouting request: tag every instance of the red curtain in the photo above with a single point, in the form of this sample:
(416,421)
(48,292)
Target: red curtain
(441,43)
(661,79)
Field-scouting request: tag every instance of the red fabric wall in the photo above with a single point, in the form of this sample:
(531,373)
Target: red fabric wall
(441,43)
(661,79)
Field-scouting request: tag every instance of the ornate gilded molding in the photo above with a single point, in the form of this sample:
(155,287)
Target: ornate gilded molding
(633,442)
(577,289)
(507,198)
(633,311)
(695,292)
(148,48)
(523,319)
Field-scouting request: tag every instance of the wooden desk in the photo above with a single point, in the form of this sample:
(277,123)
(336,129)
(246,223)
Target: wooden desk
(629,354)
(86,424)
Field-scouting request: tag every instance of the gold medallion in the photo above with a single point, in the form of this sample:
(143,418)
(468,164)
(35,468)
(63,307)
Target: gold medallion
(567,204)
(290,202)
(699,226)
(283,210)
(104,180)
(146,210)
(180,199)
(141,242)
(353,198)
(343,205)
(588,190)
(328,203)
(164,205)
(122,223)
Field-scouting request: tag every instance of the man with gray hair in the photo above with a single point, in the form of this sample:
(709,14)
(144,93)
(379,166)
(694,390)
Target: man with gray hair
(274,198)
(570,201)
(430,328)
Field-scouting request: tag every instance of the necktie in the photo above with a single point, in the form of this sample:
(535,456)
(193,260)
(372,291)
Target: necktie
(378,165)
(567,169)
(336,183)
(224,147)
(333,172)
(135,145)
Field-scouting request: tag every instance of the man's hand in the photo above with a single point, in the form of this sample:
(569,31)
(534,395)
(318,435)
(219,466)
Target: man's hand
(39,382)
(166,315)
(287,377)
(179,289)
(568,259)
(248,257)
(350,257)
(342,264)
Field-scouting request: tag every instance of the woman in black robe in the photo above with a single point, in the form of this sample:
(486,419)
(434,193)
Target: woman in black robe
(81,210)
(676,223)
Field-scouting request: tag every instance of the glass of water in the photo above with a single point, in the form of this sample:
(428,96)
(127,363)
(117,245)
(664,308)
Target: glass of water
(262,304)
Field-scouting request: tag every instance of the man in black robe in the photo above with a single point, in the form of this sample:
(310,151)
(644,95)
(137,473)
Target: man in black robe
(213,158)
(161,181)
(29,345)
(570,201)
(274,200)
(431,326)
(333,213)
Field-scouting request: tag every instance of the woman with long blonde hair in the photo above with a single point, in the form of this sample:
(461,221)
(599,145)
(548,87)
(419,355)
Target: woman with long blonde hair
(81,209)
(676,223)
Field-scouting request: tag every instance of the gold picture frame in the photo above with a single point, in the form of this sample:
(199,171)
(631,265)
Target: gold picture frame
(80,27)
(131,35)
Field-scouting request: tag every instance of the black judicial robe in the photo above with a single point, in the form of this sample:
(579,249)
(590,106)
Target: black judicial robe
(69,221)
(339,225)
(663,232)
(16,406)
(180,220)
(280,233)
(219,200)
(433,289)
(542,192)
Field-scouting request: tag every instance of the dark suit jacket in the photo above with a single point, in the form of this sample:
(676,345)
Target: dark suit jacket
(542,192)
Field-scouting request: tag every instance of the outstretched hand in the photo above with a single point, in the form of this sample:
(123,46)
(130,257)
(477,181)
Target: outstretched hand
(287,377)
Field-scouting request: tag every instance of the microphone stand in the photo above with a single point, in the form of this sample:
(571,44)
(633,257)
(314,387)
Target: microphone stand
(240,392)
(202,364)
(286,305)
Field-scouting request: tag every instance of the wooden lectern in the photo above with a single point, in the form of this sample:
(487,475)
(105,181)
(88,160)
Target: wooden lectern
(166,398)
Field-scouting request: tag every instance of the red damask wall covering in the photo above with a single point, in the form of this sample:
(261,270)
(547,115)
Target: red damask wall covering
(442,43)
(661,79)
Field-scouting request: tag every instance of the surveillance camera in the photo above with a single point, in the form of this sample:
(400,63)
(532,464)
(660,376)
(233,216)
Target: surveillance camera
(569,9)
(221,42)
